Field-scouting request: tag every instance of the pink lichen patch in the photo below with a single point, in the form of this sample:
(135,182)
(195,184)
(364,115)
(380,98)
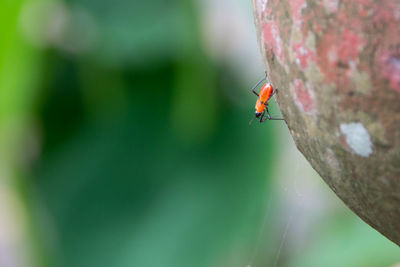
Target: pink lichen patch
(272,39)
(327,54)
(304,55)
(390,69)
(349,20)
(268,12)
(350,45)
(304,96)
(336,49)
(297,6)
(385,13)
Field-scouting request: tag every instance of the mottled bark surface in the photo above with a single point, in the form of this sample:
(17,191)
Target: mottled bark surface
(337,64)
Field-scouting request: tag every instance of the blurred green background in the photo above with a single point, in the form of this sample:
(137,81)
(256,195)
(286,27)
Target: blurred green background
(124,141)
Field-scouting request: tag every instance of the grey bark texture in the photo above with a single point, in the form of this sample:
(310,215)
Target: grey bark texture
(337,67)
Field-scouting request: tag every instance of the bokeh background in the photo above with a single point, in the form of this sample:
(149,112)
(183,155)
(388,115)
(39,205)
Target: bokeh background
(124,141)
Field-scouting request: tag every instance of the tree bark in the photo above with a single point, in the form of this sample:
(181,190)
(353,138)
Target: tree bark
(337,67)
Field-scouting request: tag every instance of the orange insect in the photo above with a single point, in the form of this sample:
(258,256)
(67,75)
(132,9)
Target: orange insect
(266,92)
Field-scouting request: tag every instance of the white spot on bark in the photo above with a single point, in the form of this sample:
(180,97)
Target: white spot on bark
(260,6)
(358,138)
(264,4)
(332,55)
(331,5)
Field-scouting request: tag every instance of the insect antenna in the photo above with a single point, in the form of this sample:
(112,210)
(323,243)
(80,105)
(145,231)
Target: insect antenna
(252,120)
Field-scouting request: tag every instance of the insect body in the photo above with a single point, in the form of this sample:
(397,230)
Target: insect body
(266,92)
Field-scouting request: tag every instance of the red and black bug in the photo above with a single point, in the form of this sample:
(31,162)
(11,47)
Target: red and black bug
(266,92)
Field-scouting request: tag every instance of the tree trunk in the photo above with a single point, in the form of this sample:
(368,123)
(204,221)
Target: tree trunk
(337,67)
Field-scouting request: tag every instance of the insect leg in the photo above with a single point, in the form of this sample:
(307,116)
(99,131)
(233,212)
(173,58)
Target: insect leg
(268,115)
(266,77)
(262,116)
(270,118)
(277,119)
(257,84)
(274,92)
